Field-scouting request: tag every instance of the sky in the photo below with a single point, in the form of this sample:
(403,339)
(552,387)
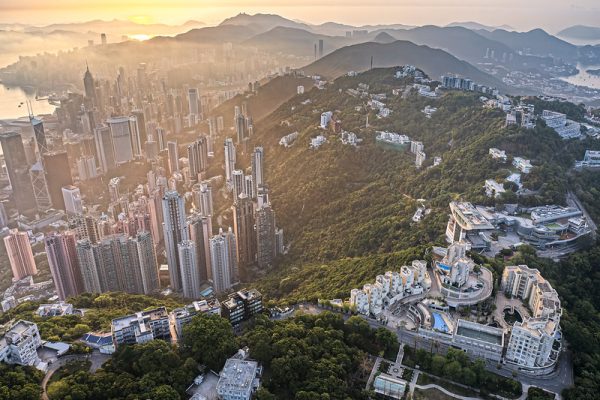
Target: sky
(551,15)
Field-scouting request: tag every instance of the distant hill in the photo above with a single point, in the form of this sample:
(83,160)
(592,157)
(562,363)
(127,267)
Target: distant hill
(384,37)
(263,22)
(580,32)
(295,41)
(462,43)
(216,34)
(476,26)
(537,42)
(433,62)
(117,27)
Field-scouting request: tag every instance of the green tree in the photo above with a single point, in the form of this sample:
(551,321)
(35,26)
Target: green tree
(209,339)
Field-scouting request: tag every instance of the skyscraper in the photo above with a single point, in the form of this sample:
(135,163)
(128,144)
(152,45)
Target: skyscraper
(237,177)
(202,198)
(198,157)
(266,242)
(190,274)
(18,172)
(249,187)
(243,227)
(320,48)
(88,266)
(40,186)
(64,264)
(194,102)
(72,199)
(104,148)
(173,157)
(140,122)
(258,175)
(200,228)
(147,262)
(229,159)
(175,232)
(58,174)
(40,135)
(120,131)
(20,255)
(222,260)
(89,86)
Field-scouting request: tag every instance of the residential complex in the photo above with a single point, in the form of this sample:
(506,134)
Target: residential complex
(141,327)
(535,341)
(20,343)
(566,128)
(242,305)
(391,288)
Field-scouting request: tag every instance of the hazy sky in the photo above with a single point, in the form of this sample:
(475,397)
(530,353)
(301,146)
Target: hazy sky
(552,15)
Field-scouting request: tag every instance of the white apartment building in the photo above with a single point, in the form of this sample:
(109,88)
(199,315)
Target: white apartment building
(20,343)
(493,188)
(141,327)
(390,288)
(522,164)
(532,341)
(566,128)
(326,119)
(498,154)
(316,142)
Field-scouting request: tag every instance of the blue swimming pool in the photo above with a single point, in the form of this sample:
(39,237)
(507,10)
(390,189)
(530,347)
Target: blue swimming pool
(439,323)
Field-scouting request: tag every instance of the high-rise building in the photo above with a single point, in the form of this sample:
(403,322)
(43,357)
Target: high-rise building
(18,172)
(20,255)
(237,178)
(147,262)
(140,122)
(136,139)
(39,134)
(194,102)
(88,266)
(202,198)
(229,159)
(89,86)
(122,141)
(240,127)
(40,186)
(266,242)
(72,199)
(190,273)
(198,157)
(64,265)
(200,228)
(103,38)
(258,158)
(175,232)
(58,175)
(173,157)
(86,168)
(243,227)
(3,216)
(320,48)
(222,259)
(104,148)
(249,188)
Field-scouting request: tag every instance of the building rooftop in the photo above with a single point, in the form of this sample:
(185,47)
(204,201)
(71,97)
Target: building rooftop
(139,317)
(468,216)
(237,375)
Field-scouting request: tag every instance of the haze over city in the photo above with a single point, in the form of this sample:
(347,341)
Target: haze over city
(550,15)
(318,200)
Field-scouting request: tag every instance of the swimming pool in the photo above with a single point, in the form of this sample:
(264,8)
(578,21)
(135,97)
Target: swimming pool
(439,323)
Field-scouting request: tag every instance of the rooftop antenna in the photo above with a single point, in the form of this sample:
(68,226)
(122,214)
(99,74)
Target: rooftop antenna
(29,109)
(371,62)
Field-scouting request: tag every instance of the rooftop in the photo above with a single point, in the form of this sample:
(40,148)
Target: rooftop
(237,375)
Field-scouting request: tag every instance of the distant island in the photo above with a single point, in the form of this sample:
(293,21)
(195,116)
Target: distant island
(595,72)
